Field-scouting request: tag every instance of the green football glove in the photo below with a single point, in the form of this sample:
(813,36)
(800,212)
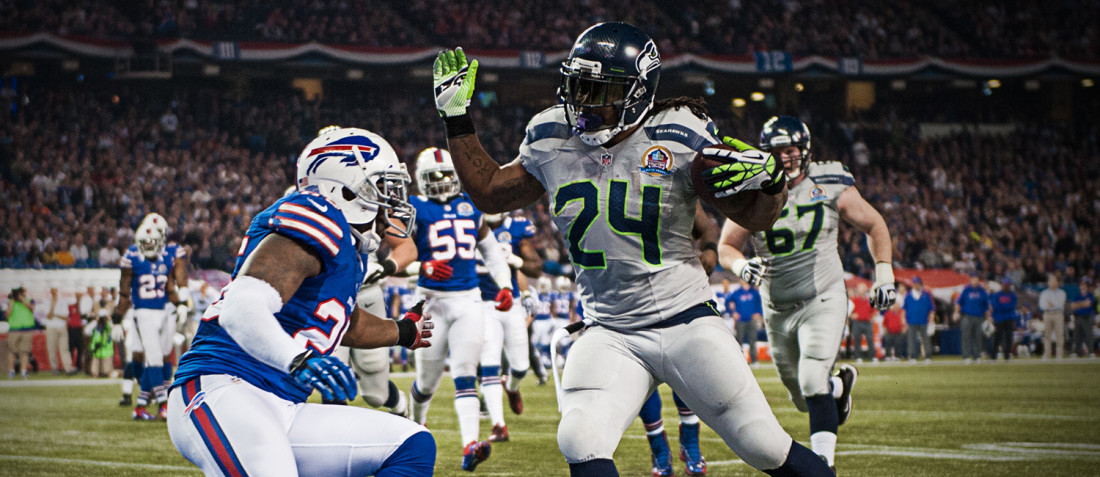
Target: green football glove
(453,79)
(746,168)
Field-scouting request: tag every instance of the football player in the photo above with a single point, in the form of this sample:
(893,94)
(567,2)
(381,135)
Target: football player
(238,404)
(147,284)
(506,330)
(616,165)
(449,234)
(175,311)
(801,279)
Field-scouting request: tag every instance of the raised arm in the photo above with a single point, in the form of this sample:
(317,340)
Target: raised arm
(492,188)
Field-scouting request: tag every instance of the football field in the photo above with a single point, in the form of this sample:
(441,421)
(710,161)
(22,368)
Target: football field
(1027,418)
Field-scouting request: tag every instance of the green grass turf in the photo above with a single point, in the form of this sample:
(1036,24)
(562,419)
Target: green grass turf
(1027,418)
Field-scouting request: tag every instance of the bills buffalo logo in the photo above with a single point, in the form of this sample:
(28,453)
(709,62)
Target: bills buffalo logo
(648,60)
(817,194)
(351,151)
(465,209)
(657,161)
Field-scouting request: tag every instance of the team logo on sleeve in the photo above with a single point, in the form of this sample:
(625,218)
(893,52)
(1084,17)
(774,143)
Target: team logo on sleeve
(657,161)
(818,194)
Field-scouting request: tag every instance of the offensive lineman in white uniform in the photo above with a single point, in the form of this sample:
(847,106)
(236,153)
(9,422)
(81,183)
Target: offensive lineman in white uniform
(620,187)
(801,278)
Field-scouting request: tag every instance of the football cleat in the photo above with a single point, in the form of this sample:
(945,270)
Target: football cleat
(847,374)
(515,400)
(163,413)
(140,414)
(499,433)
(126,401)
(694,463)
(661,455)
(475,453)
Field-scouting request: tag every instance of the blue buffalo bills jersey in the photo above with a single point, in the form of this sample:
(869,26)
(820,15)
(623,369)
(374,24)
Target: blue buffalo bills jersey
(563,302)
(316,316)
(148,287)
(448,232)
(542,307)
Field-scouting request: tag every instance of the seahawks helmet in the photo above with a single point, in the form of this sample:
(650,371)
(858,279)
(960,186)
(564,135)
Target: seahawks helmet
(359,172)
(435,174)
(782,131)
(612,65)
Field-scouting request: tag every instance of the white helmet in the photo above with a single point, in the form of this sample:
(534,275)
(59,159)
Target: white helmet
(545,284)
(359,172)
(150,241)
(563,283)
(435,174)
(157,222)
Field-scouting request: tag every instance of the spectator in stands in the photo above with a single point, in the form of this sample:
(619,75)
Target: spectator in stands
(973,305)
(918,311)
(748,315)
(57,337)
(109,255)
(79,251)
(860,324)
(20,318)
(893,341)
(1003,309)
(1083,308)
(1052,303)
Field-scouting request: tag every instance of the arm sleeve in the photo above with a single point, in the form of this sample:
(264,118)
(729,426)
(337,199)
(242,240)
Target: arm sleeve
(248,315)
(495,261)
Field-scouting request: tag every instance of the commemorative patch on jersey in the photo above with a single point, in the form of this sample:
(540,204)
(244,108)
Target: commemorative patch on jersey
(657,161)
(504,236)
(465,209)
(818,194)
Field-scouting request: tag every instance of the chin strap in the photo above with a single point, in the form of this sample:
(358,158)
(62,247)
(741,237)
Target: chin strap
(599,138)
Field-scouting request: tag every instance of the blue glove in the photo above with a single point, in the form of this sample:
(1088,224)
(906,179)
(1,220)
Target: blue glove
(326,374)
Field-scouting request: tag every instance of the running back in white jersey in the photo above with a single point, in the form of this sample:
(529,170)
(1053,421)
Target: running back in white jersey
(802,245)
(621,210)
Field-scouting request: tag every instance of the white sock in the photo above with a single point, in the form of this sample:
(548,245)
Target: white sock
(838,387)
(656,432)
(420,410)
(513,383)
(824,444)
(494,402)
(127,386)
(689,419)
(468,409)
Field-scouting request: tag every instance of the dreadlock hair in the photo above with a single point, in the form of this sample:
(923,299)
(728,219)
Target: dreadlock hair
(696,104)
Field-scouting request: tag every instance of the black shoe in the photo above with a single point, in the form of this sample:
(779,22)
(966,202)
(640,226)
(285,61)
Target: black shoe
(847,374)
(125,401)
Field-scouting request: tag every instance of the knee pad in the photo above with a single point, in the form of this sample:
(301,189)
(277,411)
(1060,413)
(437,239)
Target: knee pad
(813,377)
(582,437)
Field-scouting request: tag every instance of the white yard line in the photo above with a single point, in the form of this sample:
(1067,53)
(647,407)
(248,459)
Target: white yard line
(114,465)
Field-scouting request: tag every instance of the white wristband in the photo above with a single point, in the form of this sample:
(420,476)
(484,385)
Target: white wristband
(738,266)
(248,315)
(884,273)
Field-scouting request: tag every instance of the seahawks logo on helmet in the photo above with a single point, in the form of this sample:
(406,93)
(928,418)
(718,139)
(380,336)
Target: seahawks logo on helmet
(648,60)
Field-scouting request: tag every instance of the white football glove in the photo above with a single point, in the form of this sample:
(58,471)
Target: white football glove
(752,270)
(883,294)
(183,312)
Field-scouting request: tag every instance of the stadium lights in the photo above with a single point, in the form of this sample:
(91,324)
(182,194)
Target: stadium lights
(799,87)
(355,74)
(993,83)
(1087,82)
(766,83)
(1031,85)
(211,70)
(738,102)
(70,65)
(756,96)
(898,85)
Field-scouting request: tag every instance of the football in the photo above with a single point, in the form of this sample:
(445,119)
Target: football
(738,207)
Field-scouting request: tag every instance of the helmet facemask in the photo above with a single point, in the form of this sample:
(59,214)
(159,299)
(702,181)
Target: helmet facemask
(150,242)
(597,106)
(383,191)
(438,183)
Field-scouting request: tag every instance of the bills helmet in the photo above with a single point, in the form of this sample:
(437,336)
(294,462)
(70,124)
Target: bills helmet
(149,240)
(612,65)
(157,222)
(435,174)
(359,172)
(782,131)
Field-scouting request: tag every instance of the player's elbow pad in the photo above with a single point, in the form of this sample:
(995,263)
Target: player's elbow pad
(248,315)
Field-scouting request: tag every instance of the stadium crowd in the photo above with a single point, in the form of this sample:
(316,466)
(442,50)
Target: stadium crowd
(982,29)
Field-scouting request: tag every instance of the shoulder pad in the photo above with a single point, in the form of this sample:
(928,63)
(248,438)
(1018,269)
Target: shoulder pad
(683,127)
(548,124)
(830,172)
(312,220)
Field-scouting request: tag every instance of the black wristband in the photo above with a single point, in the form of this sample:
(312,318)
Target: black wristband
(777,186)
(300,361)
(406,333)
(459,125)
(710,246)
(389,266)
